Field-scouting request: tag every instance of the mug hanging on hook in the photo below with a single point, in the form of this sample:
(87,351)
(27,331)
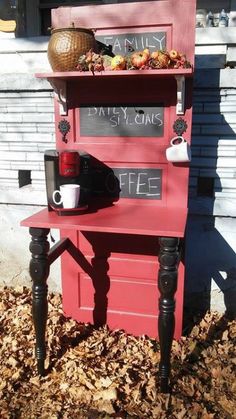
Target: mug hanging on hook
(179,151)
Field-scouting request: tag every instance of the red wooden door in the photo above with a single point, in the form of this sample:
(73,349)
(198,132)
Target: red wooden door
(116,279)
(115,282)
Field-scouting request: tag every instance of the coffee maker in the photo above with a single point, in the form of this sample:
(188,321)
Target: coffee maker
(67,166)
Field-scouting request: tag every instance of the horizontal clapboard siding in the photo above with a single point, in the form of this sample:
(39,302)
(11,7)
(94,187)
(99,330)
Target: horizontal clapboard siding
(214,124)
(214,144)
(26,131)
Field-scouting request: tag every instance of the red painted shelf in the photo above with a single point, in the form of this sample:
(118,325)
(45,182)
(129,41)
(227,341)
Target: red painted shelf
(119,218)
(68,75)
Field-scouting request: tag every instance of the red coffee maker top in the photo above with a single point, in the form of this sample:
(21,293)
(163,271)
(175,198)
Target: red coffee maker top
(69,163)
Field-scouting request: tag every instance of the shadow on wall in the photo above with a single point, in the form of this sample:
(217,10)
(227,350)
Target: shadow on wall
(210,259)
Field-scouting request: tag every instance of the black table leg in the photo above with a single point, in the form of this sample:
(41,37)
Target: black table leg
(39,271)
(167,284)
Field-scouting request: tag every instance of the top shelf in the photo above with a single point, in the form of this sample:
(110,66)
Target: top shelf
(70,75)
(59,81)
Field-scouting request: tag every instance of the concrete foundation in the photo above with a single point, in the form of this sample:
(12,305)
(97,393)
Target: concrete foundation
(14,248)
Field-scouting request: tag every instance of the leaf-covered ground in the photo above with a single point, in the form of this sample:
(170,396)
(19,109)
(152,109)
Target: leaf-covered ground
(105,374)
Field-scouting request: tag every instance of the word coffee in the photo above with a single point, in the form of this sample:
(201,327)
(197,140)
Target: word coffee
(140,183)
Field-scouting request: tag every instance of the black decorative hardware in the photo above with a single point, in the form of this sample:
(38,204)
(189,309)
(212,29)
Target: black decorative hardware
(64,128)
(180,126)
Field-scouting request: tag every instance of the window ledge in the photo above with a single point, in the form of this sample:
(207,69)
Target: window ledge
(27,195)
(34,44)
(215,36)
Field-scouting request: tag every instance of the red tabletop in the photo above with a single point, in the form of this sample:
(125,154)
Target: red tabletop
(127,219)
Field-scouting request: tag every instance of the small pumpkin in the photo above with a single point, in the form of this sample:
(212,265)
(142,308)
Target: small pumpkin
(163,59)
(140,58)
(174,55)
(118,62)
(154,55)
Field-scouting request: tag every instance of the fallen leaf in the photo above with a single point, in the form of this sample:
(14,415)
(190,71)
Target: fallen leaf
(97,373)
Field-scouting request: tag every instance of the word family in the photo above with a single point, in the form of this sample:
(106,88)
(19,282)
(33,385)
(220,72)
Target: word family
(127,43)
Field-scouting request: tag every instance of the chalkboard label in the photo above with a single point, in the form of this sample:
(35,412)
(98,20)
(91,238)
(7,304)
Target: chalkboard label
(136,183)
(126,43)
(126,121)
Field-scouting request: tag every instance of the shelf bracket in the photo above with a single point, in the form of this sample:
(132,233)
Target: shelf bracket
(60,89)
(180,103)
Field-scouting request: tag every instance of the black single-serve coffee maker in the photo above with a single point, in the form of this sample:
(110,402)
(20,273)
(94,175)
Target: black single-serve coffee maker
(67,167)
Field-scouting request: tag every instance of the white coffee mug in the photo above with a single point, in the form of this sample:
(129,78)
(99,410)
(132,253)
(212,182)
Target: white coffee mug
(69,195)
(179,151)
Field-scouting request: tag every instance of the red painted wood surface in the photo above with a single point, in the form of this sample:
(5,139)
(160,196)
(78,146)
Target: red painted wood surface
(118,259)
(128,280)
(125,151)
(161,73)
(115,277)
(178,15)
(128,219)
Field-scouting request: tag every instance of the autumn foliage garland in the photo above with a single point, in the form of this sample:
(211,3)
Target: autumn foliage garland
(138,60)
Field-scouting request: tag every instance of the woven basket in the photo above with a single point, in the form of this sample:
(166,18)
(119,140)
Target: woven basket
(66,45)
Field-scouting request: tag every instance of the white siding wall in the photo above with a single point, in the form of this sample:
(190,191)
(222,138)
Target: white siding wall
(214,122)
(26,129)
(211,230)
(26,119)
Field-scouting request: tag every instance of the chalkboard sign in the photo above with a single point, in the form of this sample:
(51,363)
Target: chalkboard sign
(126,43)
(138,183)
(126,120)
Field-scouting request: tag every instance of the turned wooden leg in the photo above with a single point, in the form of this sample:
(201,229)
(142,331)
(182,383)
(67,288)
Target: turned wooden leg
(167,285)
(39,271)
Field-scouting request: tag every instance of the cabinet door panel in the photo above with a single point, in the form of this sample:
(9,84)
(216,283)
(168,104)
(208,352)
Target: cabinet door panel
(118,289)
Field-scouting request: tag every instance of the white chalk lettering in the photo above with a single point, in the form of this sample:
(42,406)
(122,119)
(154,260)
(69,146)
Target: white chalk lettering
(153,186)
(141,184)
(148,119)
(160,43)
(130,45)
(120,179)
(138,183)
(101,112)
(127,43)
(115,120)
(131,181)
(117,44)
(92,111)
(128,120)
(108,40)
(116,111)
(142,42)
(124,111)
(159,121)
(139,119)
(124,115)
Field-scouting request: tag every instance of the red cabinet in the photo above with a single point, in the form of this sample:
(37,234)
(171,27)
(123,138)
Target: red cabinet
(124,120)
(120,288)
